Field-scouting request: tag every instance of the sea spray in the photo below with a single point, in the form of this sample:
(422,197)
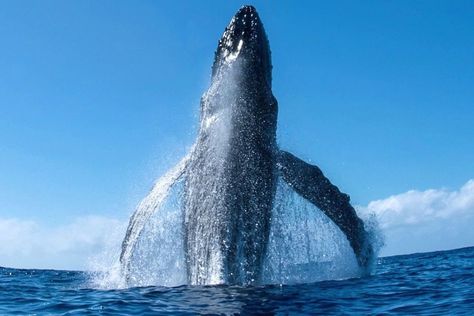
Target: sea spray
(304,246)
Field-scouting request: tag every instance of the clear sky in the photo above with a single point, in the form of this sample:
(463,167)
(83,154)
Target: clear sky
(98,98)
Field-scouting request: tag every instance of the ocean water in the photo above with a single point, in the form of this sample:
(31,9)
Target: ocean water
(436,283)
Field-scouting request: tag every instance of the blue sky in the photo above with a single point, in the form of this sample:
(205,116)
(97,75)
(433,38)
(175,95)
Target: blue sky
(97,99)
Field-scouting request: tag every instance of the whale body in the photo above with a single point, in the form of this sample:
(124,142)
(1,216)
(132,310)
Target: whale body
(230,175)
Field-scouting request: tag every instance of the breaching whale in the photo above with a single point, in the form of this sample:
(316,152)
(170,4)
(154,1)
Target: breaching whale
(231,172)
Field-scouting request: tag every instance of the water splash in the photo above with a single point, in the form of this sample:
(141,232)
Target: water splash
(158,257)
(305,245)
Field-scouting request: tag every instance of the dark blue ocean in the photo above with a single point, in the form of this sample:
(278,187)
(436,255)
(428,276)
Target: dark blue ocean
(437,283)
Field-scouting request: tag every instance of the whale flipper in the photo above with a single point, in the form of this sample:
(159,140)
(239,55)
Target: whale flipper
(147,207)
(309,182)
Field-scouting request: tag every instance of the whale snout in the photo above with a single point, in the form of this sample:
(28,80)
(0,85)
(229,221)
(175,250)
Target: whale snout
(244,32)
(245,39)
(246,9)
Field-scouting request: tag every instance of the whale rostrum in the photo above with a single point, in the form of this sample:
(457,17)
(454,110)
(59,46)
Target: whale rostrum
(230,175)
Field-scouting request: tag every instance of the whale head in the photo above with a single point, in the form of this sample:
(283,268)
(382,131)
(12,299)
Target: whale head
(240,95)
(245,41)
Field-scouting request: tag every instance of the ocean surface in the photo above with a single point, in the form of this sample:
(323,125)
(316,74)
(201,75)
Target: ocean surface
(436,283)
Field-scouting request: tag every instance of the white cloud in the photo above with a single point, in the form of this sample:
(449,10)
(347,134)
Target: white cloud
(418,221)
(28,244)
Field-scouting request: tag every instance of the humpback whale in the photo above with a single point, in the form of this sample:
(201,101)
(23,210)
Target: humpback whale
(231,172)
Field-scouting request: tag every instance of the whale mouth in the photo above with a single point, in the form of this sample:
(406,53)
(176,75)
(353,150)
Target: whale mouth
(244,38)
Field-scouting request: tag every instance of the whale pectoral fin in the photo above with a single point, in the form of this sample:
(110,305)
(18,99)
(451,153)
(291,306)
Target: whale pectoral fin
(310,183)
(147,207)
